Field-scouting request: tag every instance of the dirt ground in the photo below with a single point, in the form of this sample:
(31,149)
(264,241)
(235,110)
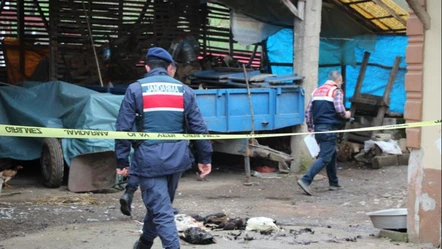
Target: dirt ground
(32,216)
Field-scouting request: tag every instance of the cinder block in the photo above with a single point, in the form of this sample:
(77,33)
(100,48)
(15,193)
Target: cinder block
(403,159)
(403,144)
(382,161)
(394,235)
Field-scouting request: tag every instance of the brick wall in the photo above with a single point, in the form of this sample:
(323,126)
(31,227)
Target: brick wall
(414,78)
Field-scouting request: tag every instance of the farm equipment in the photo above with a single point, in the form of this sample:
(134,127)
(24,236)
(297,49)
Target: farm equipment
(268,103)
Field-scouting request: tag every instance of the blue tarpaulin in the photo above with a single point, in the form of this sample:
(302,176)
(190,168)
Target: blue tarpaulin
(350,52)
(59,105)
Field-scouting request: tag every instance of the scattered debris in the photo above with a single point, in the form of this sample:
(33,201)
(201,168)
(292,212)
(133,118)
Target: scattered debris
(217,220)
(9,194)
(301,231)
(334,240)
(266,232)
(6,213)
(184,222)
(197,217)
(235,236)
(261,224)
(354,239)
(235,224)
(305,242)
(269,175)
(248,238)
(77,199)
(196,235)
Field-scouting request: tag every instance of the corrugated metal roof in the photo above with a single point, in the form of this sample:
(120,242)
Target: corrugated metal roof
(382,15)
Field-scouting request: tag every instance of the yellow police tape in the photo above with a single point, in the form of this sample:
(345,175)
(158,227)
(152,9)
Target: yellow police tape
(30,131)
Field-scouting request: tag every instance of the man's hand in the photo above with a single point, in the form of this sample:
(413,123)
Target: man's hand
(205,169)
(123,172)
(348,114)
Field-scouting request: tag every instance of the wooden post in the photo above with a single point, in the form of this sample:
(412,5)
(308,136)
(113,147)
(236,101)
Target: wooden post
(420,13)
(45,22)
(52,31)
(390,11)
(230,43)
(358,88)
(291,7)
(344,79)
(2,5)
(21,33)
(361,76)
(206,19)
(386,98)
(120,17)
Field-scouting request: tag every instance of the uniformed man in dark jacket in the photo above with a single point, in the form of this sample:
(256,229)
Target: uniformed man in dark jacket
(132,182)
(325,112)
(162,104)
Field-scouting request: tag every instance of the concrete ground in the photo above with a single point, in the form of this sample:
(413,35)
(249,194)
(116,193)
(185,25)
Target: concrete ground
(32,216)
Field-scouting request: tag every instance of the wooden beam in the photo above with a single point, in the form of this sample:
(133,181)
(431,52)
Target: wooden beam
(21,33)
(358,2)
(53,44)
(301,9)
(120,17)
(2,5)
(45,22)
(356,15)
(382,17)
(291,7)
(390,11)
(361,75)
(420,13)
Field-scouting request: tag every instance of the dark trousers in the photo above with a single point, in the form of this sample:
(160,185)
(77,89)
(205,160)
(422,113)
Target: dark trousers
(326,158)
(132,184)
(158,194)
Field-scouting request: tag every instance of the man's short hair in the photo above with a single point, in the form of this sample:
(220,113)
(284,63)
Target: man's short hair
(157,63)
(334,75)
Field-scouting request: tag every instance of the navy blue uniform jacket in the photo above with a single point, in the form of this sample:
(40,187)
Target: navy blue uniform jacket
(163,158)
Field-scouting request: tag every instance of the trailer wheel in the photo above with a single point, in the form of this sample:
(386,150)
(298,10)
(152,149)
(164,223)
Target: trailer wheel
(52,163)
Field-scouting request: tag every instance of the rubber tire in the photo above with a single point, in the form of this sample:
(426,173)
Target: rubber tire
(52,163)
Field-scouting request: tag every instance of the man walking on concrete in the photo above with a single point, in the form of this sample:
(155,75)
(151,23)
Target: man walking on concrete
(165,106)
(325,112)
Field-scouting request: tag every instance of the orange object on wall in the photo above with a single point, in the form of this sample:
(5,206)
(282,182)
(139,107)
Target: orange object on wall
(33,55)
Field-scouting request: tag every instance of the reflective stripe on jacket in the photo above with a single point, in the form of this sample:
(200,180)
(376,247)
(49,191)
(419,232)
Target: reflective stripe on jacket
(157,158)
(323,108)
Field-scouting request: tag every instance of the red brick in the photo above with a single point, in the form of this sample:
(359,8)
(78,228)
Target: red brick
(414,26)
(415,53)
(413,109)
(414,82)
(413,138)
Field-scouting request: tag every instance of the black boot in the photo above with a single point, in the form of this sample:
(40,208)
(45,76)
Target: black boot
(126,201)
(143,244)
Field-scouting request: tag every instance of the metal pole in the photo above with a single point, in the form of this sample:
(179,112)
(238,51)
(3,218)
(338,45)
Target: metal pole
(247,156)
(93,45)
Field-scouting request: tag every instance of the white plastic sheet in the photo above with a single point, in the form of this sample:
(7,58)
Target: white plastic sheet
(390,146)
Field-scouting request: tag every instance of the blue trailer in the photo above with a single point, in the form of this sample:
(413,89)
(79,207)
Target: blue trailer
(269,103)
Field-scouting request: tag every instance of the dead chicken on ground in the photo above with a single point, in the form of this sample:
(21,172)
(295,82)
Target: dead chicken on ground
(7,174)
